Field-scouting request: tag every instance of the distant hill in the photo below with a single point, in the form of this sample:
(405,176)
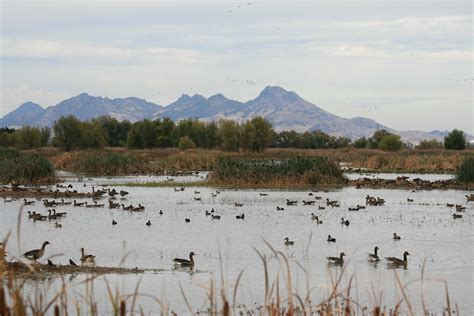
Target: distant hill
(284,109)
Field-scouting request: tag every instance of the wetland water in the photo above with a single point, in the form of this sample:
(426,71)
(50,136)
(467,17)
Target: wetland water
(425,225)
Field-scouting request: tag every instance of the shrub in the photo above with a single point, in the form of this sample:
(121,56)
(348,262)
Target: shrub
(455,140)
(20,167)
(390,143)
(186,143)
(429,144)
(465,172)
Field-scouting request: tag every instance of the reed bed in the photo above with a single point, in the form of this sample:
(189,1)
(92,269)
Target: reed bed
(21,167)
(299,171)
(465,172)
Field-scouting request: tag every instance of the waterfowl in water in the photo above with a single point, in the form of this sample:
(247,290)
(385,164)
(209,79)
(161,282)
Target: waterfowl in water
(161,212)
(208,213)
(331,239)
(457,216)
(187,220)
(123,193)
(316,218)
(354,208)
(127,208)
(148,223)
(470,197)
(114,222)
(397,261)
(59,214)
(185,262)
(238,204)
(288,242)
(86,258)
(65,203)
(78,204)
(280,208)
(215,216)
(374,256)
(337,260)
(291,203)
(5,200)
(98,205)
(345,221)
(308,202)
(72,263)
(449,205)
(112,192)
(57,225)
(409,200)
(241,216)
(396,237)
(263,194)
(113,205)
(35,254)
(28,202)
(47,203)
(197,198)
(321,207)
(331,203)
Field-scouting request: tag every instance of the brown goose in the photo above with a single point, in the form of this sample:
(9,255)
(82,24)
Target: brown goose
(86,258)
(288,242)
(374,256)
(337,260)
(123,193)
(396,237)
(331,239)
(185,262)
(35,254)
(28,202)
(397,261)
(316,218)
(78,204)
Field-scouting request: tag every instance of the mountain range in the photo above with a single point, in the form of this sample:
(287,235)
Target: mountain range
(284,109)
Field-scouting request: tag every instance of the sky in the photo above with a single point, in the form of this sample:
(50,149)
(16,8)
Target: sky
(406,64)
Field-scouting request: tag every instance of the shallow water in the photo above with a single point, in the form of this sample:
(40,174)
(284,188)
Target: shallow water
(426,226)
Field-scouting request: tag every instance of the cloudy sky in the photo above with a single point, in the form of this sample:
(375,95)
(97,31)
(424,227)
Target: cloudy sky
(406,64)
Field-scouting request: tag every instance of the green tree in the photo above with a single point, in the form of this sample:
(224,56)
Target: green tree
(229,134)
(361,143)
(390,143)
(257,134)
(375,140)
(429,144)
(67,132)
(29,137)
(455,140)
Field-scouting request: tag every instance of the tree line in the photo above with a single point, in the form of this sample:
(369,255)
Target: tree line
(255,135)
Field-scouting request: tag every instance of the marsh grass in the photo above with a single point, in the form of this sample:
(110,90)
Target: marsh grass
(465,172)
(24,167)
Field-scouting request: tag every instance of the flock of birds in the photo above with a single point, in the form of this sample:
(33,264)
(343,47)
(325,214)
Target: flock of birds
(112,194)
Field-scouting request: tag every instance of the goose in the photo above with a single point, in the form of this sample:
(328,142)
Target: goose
(238,204)
(217,217)
(57,225)
(72,263)
(263,194)
(345,221)
(291,203)
(114,222)
(148,223)
(78,204)
(449,205)
(316,218)
(185,262)
(35,254)
(470,197)
(457,216)
(65,203)
(86,258)
(321,207)
(60,214)
(197,192)
(197,198)
(161,212)
(39,217)
(31,215)
(397,261)
(242,216)
(123,193)
(127,208)
(396,237)
(308,202)
(353,208)
(47,203)
(310,193)
(28,202)
(280,208)
(113,205)
(98,205)
(409,200)
(337,260)
(374,256)
(89,205)
(187,220)
(98,192)
(330,203)
(5,200)
(213,194)
(112,192)
(331,239)
(288,242)
(208,213)
(318,197)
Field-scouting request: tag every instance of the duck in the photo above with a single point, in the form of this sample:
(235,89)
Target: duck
(291,203)
(113,205)
(197,198)
(242,216)
(187,220)
(288,242)
(98,205)
(337,260)
(112,192)
(457,216)
(396,237)
(217,217)
(148,223)
(316,218)
(308,202)
(86,258)
(321,207)
(331,239)
(263,194)
(208,213)
(409,200)
(65,203)
(78,204)
(345,221)
(397,261)
(280,208)
(5,200)
(238,204)
(36,254)
(114,222)
(59,214)
(185,262)
(351,209)
(58,225)
(161,212)
(374,256)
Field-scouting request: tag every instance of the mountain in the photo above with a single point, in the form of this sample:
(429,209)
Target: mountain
(23,115)
(284,109)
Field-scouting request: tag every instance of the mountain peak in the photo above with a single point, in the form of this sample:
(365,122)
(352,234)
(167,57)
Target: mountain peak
(30,106)
(273,91)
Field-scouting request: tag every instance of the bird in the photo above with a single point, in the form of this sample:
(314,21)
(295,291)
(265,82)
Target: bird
(28,202)
(316,218)
(161,212)
(217,217)
(242,216)
(396,237)
(288,242)
(86,258)
(345,221)
(280,208)
(57,225)
(409,200)
(35,254)
(72,263)
(337,260)
(185,262)
(50,263)
(374,256)
(148,223)
(457,216)
(78,204)
(397,261)
(187,220)
(331,239)
(114,222)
